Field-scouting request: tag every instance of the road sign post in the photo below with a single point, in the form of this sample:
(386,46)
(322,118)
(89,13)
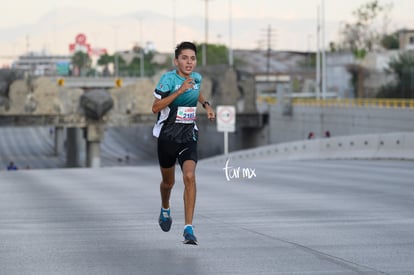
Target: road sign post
(226,122)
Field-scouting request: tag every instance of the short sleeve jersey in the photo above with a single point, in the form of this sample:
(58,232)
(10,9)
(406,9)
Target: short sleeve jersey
(167,124)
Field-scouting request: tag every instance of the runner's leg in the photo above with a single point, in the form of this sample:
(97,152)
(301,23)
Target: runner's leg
(167,183)
(188,169)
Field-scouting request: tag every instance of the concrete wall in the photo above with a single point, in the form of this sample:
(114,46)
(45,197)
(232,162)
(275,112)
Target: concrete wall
(340,121)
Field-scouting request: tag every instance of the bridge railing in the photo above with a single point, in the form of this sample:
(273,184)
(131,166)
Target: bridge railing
(398,103)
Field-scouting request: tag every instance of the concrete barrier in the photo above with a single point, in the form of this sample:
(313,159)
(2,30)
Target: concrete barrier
(361,146)
(375,146)
(399,145)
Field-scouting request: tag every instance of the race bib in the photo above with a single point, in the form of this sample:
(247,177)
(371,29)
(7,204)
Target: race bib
(186,115)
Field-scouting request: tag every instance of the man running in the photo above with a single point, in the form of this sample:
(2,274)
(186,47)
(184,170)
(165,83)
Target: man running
(176,96)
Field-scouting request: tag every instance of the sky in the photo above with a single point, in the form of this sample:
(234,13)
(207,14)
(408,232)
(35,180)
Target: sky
(50,25)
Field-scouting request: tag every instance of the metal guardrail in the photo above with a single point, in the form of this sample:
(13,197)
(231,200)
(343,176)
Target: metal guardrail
(386,103)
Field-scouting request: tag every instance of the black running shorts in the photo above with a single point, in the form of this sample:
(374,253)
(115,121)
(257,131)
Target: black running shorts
(169,151)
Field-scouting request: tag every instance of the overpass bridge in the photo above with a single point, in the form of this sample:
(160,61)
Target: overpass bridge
(381,117)
(57,102)
(134,145)
(45,103)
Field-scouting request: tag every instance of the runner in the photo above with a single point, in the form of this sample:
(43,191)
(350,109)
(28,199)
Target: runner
(176,97)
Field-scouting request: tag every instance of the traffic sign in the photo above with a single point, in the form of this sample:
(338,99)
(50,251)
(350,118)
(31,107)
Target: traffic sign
(226,118)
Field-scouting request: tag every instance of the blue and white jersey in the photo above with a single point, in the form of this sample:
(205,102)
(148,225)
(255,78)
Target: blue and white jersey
(177,121)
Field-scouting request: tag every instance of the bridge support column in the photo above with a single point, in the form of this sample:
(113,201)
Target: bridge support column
(59,140)
(94,136)
(73,147)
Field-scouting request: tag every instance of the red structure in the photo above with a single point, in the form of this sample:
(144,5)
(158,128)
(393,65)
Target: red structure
(82,45)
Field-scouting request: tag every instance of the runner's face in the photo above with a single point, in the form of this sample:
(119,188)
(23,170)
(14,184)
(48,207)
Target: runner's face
(186,62)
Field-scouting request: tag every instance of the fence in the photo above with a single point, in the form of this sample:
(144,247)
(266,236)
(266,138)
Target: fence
(346,102)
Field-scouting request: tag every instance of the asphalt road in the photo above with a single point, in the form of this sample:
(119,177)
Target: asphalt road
(289,217)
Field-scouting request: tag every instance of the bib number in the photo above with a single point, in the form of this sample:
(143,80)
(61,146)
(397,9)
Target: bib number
(186,115)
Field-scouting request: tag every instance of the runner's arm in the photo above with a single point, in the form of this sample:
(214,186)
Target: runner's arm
(206,105)
(160,104)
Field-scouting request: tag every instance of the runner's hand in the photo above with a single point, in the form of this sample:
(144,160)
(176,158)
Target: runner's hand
(188,84)
(210,113)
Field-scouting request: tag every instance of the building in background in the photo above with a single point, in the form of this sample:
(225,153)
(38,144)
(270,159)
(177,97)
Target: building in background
(43,65)
(406,39)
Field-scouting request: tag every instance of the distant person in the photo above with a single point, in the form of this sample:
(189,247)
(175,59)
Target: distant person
(327,134)
(311,135)
(11,166)
(176,97)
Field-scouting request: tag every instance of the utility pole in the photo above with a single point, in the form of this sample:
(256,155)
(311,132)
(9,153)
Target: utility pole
(269,36)
(27,44)
(318,55)
(204,57)
(269,51)
(231,60)
(323,52)
(116,65)
(174,32)
(142,56)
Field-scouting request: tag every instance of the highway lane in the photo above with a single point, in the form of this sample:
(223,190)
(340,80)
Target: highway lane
(289,217)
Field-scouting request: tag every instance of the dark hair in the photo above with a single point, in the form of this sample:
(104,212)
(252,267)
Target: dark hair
(183,46)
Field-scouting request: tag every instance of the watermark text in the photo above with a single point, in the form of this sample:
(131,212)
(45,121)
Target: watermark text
(238,172)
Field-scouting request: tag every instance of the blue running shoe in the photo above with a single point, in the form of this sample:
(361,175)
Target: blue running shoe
(189,237)
(165,220)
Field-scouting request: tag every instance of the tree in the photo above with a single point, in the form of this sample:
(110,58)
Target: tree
(403,68)
(105,60)
(358,74)
(216,54)
(390,41)
(81,61)
(122,66)
(366,32)
(134,68)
